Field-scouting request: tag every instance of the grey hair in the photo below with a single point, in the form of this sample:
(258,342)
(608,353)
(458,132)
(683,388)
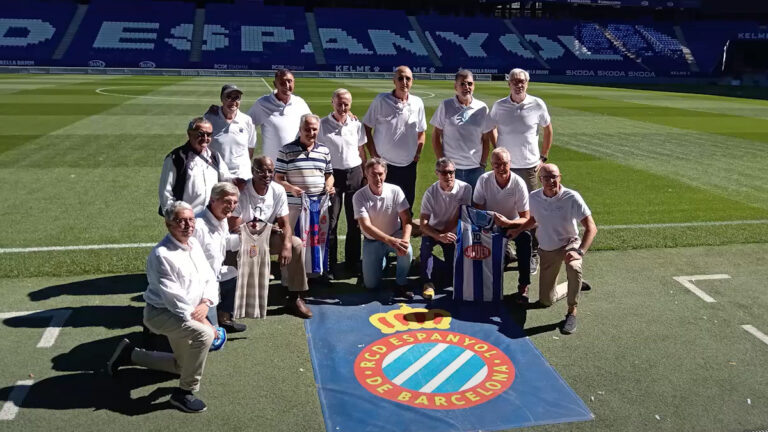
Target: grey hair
(500,151)
(375,161)
(463,74)
(170,212)
(282,72)
(223,189)
(341,91)
(443,162)
(306,116)
(517,71)
(195,122)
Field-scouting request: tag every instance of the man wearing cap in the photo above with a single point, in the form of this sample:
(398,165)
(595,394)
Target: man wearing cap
(396,125)
(234,135)
(278,114)
(190,171)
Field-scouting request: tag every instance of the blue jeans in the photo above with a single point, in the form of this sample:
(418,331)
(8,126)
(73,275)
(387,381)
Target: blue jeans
(374,260)
(469,175)
(433,269)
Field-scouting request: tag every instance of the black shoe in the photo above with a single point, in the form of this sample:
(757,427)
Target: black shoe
(585,286)
(186,401)
(402,291)
(569,326)
(233,326)
(121,357)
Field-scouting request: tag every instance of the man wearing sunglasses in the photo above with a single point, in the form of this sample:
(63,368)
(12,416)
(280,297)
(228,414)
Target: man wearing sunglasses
(190,171)
(395,126)
(234,135)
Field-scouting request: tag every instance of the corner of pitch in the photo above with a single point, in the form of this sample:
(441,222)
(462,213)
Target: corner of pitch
(434,369)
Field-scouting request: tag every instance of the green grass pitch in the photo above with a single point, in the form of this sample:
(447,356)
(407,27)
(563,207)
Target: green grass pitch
(676,182)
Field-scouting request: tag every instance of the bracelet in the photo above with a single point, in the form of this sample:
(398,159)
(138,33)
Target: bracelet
(544,158)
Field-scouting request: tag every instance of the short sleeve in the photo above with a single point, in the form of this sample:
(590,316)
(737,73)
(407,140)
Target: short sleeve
(280,203)
(479,196)
(358,204)
(399,200)
(580,208)
(373,112)
(361,137)
(544,118)
(426,202)
(438,118)
(281,167)
(422,125)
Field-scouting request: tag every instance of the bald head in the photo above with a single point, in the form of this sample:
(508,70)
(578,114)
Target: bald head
(549,169)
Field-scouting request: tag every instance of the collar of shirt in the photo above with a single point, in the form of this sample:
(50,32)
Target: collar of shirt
(187,247)
(278,101)
(556,196)
(453,190)
(210,219)
(238,113)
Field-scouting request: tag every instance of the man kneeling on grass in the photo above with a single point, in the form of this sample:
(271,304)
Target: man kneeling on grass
(182,286)
(556,210)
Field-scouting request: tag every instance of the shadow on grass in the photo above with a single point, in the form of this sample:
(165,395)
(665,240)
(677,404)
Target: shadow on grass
(122,284)
(110,317)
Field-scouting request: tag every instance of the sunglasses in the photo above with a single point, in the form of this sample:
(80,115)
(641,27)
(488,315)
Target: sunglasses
(203,134)
(233,97)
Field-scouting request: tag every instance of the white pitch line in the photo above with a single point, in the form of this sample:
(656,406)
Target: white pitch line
(266,83)
(58,318)
(106,93)
(757,333)
(687,281)
(6,315)
(608,227)
(11,406)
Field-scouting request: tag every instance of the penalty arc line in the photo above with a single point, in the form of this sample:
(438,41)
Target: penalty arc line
(604,227)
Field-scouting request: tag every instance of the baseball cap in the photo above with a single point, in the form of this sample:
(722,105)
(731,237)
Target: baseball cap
(228,88)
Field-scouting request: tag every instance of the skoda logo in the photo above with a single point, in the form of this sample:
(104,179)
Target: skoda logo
(147,64)
(96,63)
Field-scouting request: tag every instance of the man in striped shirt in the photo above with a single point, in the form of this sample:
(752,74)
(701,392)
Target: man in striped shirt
(304,166)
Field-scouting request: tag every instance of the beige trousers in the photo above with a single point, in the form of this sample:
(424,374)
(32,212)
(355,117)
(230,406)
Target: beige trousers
(293,275)
(550,263)
(190,341)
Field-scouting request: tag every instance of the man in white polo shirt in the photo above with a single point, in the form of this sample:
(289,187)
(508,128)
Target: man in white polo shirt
(440,207)
(234,135)
(557,210)
(503,192)
(278,114)
(345,138)
(382,212)
(519,119)
(396,125)
(462,133)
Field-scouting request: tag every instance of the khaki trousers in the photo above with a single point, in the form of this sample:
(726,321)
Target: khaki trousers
(550,263)
(190,341)
(293,275)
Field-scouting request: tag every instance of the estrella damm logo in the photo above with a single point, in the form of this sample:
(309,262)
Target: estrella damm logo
(432,369)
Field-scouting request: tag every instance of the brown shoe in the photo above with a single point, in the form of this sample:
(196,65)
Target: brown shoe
(297,306)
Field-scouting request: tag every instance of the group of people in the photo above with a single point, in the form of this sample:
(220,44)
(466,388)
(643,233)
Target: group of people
(212,186)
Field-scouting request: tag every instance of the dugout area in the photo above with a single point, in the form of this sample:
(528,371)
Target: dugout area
(649,353)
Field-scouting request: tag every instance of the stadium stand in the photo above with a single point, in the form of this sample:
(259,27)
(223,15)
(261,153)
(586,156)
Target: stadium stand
(706,40)
(253,36)
(30,31)
(133,34)
(370,40)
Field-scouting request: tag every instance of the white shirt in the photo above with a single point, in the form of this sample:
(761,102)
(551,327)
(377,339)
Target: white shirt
(201,176)
(463,128)
(382,210)
(232,140)
(396,126)
(508,201)
(342,140)
(518,125)
(557,218)
(270,206)
(179,277)
(279,122)
(213,235)
(443,207)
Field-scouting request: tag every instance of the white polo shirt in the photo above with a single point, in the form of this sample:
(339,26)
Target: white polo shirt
(519,125)
(507,201)
(270,206)
(179,277)
(343,141)
(279,122)
(463,128)
(382,210)
(396,126)
(216,240)
(558,217)
(232,140)
(443,207)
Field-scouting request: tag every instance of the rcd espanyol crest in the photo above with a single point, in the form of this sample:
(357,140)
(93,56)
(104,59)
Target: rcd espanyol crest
(421,363)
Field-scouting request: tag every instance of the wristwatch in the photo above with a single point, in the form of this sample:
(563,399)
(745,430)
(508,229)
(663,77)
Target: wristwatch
(577,250)
(543,158)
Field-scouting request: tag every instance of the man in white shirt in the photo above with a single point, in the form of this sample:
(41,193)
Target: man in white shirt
(396,125)
(266,200)
(462,133)
(234,135)
(440,207)
(278,114)
(182,287)
(556,210)
(504,193)
(190,171)
(385,220)
(519,118)
(212,231)
(345,138)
